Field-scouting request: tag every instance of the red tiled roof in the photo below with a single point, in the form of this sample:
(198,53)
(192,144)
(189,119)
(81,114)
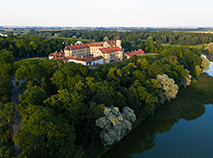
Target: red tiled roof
(137,52)
(110,49)
(58,56)
(85,59)
(111,42)
(95,44)
(80,46)
(56,53)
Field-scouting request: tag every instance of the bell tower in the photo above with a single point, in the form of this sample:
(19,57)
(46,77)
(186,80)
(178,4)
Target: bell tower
(118,41)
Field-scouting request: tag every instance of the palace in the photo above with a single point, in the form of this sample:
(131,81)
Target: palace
(94,53)
(109,50)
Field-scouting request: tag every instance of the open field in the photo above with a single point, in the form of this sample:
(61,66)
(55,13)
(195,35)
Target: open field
(199,46)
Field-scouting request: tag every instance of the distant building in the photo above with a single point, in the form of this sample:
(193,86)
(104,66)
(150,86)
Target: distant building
(77,50)
(94,47)
(94,53)
(127,55)
(58,56)
(110,54)
(78,42)
(2,35)
(87,61)
(109,50)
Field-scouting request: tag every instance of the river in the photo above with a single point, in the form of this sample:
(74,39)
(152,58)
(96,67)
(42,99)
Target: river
(186,139)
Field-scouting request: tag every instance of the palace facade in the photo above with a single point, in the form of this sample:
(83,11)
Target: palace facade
(94,53)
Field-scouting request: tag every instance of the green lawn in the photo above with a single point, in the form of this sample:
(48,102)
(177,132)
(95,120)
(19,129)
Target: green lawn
(199,46)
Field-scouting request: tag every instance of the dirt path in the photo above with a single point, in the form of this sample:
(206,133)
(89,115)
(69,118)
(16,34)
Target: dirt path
(16,126)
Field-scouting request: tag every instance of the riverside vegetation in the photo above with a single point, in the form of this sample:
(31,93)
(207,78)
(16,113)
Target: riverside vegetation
(61,102)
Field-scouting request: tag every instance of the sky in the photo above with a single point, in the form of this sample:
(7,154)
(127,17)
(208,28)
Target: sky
(106,13)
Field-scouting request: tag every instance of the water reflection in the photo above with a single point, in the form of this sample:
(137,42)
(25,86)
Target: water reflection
(153,139)
(210,58)
(158,139)
(144,141)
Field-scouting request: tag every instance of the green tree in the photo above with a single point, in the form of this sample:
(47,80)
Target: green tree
(46,135)
(5,86)
(33,46)
(106,38)
(69,105)
(6,151)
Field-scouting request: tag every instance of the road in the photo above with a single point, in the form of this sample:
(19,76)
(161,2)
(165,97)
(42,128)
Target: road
(16,126)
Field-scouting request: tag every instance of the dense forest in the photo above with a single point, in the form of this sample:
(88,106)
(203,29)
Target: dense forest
(41,43)
(61,102)
(26,46)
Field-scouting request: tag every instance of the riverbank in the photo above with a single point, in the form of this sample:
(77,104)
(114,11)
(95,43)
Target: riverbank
(189,101)
(187,105)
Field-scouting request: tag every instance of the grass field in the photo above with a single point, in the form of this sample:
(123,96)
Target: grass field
(37,58)
(199,46)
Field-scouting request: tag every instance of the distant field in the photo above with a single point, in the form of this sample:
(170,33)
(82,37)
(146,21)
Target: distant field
(199,46)
(68,38)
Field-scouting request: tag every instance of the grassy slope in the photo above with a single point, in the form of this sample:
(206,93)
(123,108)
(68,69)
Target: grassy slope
(189,101)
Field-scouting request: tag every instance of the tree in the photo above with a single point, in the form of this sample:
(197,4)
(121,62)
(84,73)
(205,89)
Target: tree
(69,105)
(27,70)
(46,135)
(69,74)
(33,95)
(103,93)
(142,64)
(185,81)
(106,38)
(5,86)
(6,120)
(33,46)
(6,151)
(168,86)
(209,47)
(205,64)
(197,70)
(90,131)
(7,112)
(6,56)
(115,124)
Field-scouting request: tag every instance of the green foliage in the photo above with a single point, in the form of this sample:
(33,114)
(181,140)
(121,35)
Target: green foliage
(103,93)
(6,151)
(33,95)
(6,56)
(69,74)
(6,134)
(67,104)
(7,112)
(198,70)
(59,97)
(56,137)
(205,64)
(5,86)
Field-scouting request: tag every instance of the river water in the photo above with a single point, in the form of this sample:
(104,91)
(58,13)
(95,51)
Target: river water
(157,139)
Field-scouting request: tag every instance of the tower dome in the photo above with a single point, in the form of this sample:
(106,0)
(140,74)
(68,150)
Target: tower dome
(118,37)
(66,47)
